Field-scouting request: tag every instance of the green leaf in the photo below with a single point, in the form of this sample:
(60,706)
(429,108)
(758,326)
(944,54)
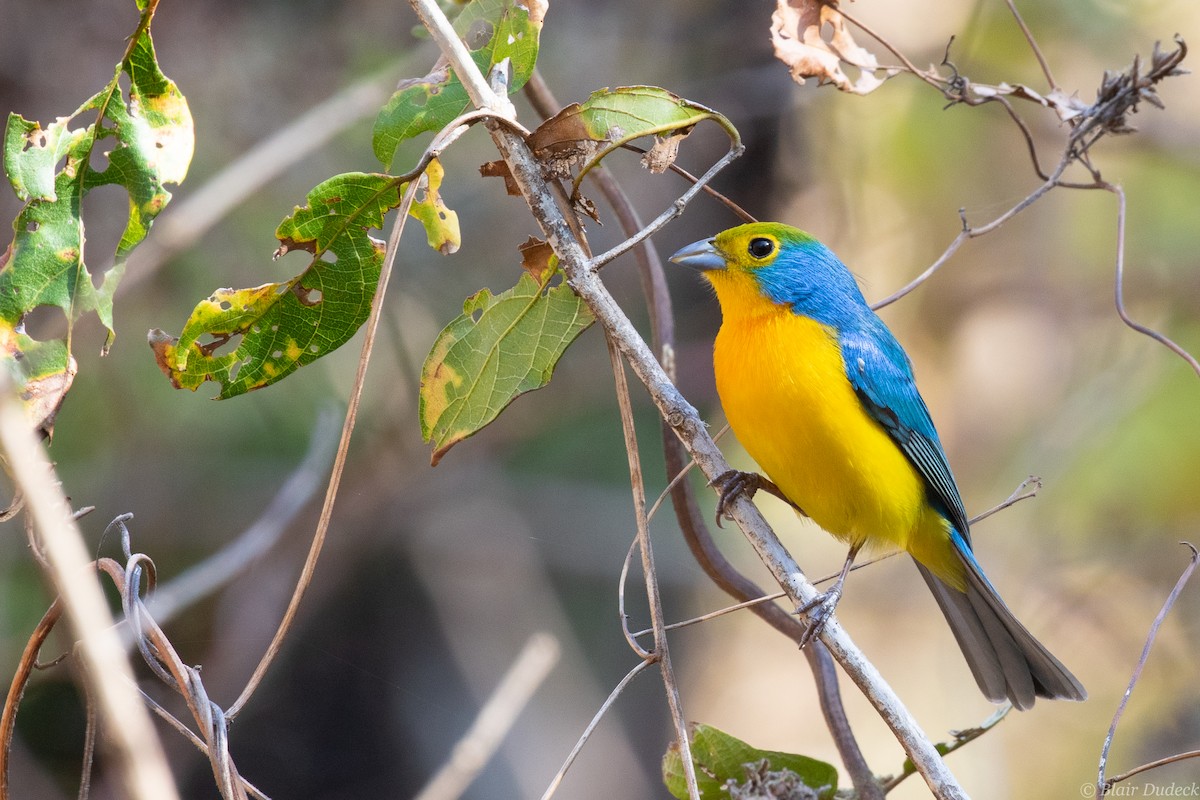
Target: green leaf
(727,768)
(492,30)
(584,133)
(151,141)
(502,346)
(284,326)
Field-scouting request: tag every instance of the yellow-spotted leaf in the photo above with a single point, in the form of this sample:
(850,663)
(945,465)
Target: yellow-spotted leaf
(140,143)
(729,768)
(246,339)
(492,30)
(500,347)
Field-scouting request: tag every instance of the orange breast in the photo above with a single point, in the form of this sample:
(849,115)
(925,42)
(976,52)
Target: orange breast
(784,389)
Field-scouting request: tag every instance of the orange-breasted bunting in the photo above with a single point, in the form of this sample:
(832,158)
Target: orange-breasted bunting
(822,396)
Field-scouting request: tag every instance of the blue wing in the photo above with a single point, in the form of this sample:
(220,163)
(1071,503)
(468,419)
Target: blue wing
(881,374)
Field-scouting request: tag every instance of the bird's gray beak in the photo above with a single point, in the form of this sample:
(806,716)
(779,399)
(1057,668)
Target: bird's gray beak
(702,256)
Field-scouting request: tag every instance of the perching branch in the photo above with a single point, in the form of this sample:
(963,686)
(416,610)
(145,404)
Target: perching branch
(679,414)
(691,522)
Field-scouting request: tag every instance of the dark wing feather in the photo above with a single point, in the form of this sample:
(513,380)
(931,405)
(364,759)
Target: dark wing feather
(1006,660)
(881,374)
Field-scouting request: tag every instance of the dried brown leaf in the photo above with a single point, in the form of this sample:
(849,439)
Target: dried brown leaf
(499,169)
(537,258)
(659,158)
(796,34)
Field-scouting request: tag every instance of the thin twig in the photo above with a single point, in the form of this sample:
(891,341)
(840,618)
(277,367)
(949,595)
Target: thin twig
(1022,492)
(89,745)
(1030,145)
(139,754)
(1033,45)
(738,211)
(339,463)
(587,732)
(926,75)
(682,473)
(1161,762)
(494,720)
(961,739)
(969,232)
(720,612)
(671,213)
(631,638)
(1103,786)
(449,134)
(16,688)
(1119,287)
(1027,490)
(661,651)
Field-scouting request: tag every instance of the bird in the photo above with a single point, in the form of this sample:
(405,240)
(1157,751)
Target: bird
(822,396)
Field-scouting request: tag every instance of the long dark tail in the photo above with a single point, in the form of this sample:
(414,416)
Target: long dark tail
(1005,659)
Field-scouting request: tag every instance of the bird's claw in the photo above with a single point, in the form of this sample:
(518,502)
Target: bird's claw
(733,484)
(818,612)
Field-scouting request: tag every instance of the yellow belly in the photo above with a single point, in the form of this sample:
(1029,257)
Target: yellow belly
(786,395)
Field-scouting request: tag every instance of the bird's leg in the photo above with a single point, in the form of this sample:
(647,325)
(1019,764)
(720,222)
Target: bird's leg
(733,483)
(820,608)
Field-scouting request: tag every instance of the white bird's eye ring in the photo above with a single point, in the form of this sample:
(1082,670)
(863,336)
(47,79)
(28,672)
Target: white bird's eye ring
(760,247)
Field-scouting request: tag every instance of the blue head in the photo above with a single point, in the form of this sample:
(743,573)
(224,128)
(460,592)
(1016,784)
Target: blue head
(756,267)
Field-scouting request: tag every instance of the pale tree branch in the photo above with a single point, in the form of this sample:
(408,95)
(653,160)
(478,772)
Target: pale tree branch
(139,754)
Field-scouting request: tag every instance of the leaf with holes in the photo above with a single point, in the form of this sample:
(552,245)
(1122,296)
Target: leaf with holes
(151,146)
(728,768)
(283,326)
(582,134)
(492,30)
(502,346)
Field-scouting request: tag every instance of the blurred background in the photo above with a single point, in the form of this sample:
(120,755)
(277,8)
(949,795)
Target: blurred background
(433,579)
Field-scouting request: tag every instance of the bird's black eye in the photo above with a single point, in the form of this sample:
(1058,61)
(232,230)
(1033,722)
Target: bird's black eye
(761,247)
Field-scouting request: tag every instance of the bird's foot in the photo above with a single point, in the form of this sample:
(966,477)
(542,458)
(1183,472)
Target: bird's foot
(734,483)
(818,612)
